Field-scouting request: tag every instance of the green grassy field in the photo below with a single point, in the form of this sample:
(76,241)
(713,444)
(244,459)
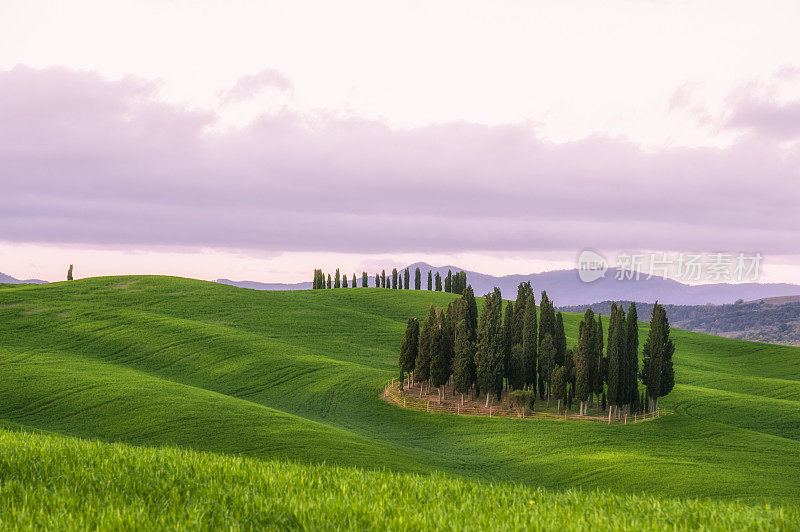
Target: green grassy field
(161,361)
(56,482)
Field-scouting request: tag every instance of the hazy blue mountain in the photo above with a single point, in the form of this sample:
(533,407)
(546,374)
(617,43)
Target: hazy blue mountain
(266,286)
(565,288)
(8,279)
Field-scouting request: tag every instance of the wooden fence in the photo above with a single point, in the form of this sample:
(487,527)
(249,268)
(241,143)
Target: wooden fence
(392,394)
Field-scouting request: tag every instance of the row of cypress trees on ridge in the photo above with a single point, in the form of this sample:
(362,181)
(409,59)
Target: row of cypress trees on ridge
(453,283)
(514,351)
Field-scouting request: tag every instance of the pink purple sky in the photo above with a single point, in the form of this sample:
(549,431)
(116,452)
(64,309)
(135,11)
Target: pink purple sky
(259,140)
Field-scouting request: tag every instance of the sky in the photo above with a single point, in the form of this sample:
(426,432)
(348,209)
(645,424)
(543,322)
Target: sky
(261,140)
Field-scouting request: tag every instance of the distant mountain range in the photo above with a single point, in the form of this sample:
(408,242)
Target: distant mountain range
(266,286)
(11,280)
(565,288)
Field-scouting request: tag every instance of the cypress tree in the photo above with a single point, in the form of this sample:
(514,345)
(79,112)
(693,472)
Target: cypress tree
(471,313)
(547,362)
(516,368)
(406,275)
(383,278)
(632,357)
(616,361)
(377,280)
(364,280)
(344,281)
(667,370)
(329,280)
(560,339)
(337,280)
(657,373)
(529,343)
(69,273)
(438,282)
(584,353)
(598,377)
(440,363)
(464,363)
(394,278)
(422,365)
(430,280)
(417,279)
(353,285)
(558,383)
(524,290)
(489,352)
(409,349)
(448,282)
(508,339)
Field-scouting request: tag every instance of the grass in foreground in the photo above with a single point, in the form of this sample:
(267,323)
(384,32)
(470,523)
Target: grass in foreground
(60,483)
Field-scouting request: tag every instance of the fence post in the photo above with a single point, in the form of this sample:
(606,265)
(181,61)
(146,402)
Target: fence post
(404,402)
(490,411)
(428,405)
(458,408)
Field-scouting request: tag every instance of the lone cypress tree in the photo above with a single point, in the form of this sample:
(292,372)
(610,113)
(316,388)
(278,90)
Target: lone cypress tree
(464,363)
(471,313)
(430,280)
(409,349)
(438,282)
(529,343)
(69,273)
(406,275)
(508,340)
(448,282)
(394,278)
(337,280)
(489,353)
(329,280)
(417,279)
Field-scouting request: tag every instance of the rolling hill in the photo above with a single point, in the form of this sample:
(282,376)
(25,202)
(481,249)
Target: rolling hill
(205,367)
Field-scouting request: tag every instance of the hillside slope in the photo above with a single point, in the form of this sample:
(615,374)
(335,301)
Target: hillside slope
(159,360)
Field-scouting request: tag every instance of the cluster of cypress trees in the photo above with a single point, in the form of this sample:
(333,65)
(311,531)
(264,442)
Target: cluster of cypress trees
(495,352)
(455,283)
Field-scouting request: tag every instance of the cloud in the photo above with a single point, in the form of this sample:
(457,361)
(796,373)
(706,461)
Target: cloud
(767,117)
(84,160)
(248,86)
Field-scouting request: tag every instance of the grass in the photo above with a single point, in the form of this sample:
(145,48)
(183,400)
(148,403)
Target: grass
(57,482)
(162,361)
